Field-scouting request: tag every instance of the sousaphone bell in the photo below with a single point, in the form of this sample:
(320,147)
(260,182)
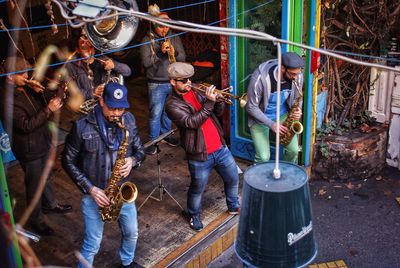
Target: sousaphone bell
(114,32)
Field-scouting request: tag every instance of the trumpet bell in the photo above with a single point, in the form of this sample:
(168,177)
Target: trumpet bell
(114,32)
(243,100)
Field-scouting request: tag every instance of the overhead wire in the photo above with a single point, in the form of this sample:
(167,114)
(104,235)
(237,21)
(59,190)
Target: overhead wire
(65,24)
(199,28)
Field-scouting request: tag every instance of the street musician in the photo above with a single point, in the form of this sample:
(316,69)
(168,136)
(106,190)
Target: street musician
(201,135)
(161,48)
(91,73)
(31,138)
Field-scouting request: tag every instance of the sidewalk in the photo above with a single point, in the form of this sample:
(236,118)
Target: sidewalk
(357,222)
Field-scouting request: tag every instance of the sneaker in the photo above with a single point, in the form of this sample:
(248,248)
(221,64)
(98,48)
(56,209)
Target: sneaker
(152,149)
(171,141)
(195,222)
(234,211)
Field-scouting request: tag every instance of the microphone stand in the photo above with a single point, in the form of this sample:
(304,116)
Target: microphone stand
(161,188)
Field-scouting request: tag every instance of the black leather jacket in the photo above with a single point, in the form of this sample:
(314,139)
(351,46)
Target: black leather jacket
(189,122)
(31,134)
(87,159)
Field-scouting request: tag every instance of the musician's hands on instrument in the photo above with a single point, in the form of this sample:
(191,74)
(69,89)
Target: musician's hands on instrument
(108,64)
(127,167)
(35,85)
(166,47)
(211,94)
(55,104)
(98,91)
(99,196)
(282,129)
(297,114)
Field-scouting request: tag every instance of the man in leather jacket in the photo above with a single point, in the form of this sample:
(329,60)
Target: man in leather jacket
(90,151)
(201,136)
(32,110)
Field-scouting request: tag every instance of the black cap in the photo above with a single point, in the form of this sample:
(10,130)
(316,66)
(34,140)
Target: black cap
(292,60)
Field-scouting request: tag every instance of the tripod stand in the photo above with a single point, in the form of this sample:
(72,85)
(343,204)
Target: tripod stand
(161,188)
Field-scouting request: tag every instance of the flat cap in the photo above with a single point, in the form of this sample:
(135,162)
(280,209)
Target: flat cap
(16,64)
(180,70)
(292,60)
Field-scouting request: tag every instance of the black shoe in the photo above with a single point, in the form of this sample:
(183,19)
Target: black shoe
(42,229)
(152,149)
(59,208)
(195,223)
(132,265)
(171,141)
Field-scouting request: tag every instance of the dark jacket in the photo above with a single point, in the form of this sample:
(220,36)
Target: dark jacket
(31,135)
(189,122)
(79,74)
(87,159)
(154,61)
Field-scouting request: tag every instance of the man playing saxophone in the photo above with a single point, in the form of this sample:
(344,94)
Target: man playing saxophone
(161,47)
(91,151)
(262,103)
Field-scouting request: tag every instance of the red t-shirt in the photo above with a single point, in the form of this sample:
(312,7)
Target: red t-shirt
(210,132)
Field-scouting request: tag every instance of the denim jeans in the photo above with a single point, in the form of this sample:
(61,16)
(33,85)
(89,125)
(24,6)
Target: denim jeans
(225,165)
(260,137)
(93,232)
(159,122)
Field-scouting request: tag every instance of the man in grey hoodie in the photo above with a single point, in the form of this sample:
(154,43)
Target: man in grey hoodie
(262,103)
(161,48)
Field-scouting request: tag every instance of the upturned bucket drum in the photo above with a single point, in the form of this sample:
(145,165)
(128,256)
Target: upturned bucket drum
(275,225)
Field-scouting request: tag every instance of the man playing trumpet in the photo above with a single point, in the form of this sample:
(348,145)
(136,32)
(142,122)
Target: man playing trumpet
(31,137)
(201,135)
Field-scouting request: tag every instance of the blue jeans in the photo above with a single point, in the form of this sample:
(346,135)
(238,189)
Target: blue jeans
(159,122)
(225,165)
(94,230)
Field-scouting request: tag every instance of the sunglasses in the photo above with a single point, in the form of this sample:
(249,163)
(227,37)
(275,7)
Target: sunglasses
(184,81)
(292,73)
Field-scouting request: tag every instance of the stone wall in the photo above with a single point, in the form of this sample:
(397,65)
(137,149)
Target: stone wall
(354,155)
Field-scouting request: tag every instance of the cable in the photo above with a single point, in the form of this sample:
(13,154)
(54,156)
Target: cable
(79,25)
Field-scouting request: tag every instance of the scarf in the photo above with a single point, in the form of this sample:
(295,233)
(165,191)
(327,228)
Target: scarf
(111,134)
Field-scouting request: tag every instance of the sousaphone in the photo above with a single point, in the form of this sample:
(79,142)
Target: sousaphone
(115,32)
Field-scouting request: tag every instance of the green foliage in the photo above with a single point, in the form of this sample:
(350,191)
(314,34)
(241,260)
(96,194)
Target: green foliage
(266,18)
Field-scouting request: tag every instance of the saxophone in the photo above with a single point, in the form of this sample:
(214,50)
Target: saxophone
(294,126)
(127,192)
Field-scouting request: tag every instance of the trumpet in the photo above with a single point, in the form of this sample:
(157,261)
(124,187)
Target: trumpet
(35,85)
(225,94)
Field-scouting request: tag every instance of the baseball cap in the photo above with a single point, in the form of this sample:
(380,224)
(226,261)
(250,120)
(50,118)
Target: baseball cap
(115,95)
(292,60)
(180,70)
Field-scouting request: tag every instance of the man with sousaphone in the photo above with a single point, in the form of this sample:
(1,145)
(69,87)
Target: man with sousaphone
(262,103)
(90,73)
